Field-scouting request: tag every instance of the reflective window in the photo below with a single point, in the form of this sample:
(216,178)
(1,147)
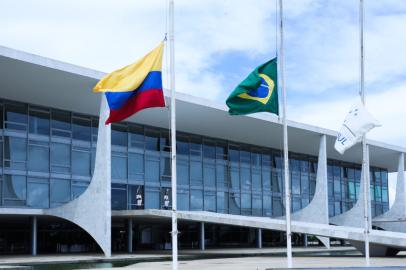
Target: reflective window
(15,116)
(38,156)
(222,202)
(182,146)
(60,158)
(246,203)
(267,205)
(152,140)
(60,190)
(165,166)
(80,162)
(235,204)
(221,175)
(39,121)
(152,198)
(151,170)
(256,180)
(38,193)
(136,166)
(209,151)
(257,205)
(183,200)
(209,173)
(137,139)
(15,187)
(235,178)
(78,187)
(81,128)
(118,166)
(182,171)
(15,152)
(119,135)
(295,183)
(245,178)
(118,197)
(166,198)
(196,172)
(277,207)
(196,200)
(61,123)
(209,201)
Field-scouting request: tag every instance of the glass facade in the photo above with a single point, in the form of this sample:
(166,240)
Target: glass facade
(47,159)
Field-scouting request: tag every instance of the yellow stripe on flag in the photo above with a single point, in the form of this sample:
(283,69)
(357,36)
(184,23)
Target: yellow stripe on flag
(131,77)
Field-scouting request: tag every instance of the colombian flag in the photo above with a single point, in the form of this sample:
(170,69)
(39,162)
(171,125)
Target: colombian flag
(134,87)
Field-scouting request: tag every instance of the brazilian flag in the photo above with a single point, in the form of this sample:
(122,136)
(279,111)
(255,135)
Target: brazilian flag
(257,93)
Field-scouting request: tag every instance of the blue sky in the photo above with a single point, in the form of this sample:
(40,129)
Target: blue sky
(218,42)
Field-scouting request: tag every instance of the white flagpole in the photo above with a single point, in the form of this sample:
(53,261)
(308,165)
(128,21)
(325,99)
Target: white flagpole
(173,135)
(365,152)
(285,142)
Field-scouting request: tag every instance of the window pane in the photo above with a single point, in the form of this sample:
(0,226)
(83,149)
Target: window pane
(151,170)
(60,190)
(209,176)
(222,202)
(256,180)
(118,197)
(165,166)
(81,163)
(39,122)
(81,129)
(235,178)
(196,172)
(209,201)
(15,116)
(60,157)
(119,167)
(267,204)
(295,183)
(384,194)
(245,178)
(182,170)
(61,123)
(257,205)
(15,150)
(38,193)
(78,188)
(183,200)
(182,147)
(137,139)
(152,199)
(15,187)
(246,203)
(38,158)
(119,135)
(235,204)
(151,140)
(277,207)
(196,200)
(209,151)
(135,165)
(221,175)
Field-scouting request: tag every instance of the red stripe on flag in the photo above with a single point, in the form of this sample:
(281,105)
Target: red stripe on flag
(146,99)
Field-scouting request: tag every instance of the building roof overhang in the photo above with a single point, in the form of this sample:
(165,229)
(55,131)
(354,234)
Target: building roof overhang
(42,81)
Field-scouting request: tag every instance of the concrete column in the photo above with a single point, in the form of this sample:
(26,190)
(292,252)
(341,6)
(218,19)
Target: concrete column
(201,242)
(130,235)
(34,236)
(259,238)
(305,240)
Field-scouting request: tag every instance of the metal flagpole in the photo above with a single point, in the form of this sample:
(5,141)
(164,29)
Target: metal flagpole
(173,136)
(365,152)
(285,142)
